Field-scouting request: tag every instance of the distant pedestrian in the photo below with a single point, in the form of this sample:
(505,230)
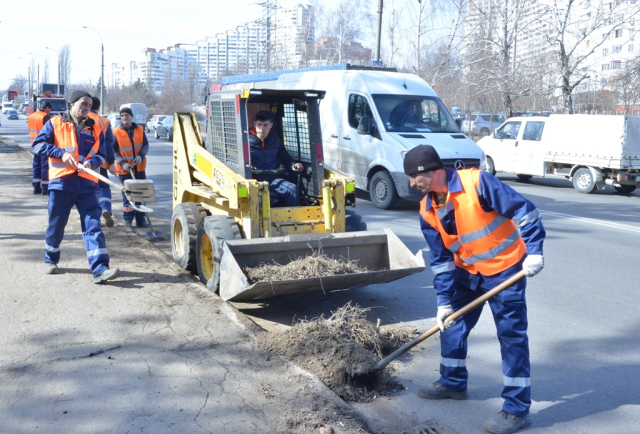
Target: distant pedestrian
(130,149)
(73,142)
(40,172)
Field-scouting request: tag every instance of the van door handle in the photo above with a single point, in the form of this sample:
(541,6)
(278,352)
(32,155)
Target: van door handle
(335,136)
(347,138)
(516,143)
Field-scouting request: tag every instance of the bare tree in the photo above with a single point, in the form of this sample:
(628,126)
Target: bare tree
(64,64)
(33,75)
(339,29)
(576,34)
(393,29)
(627,85)
(19,84)
(45,72)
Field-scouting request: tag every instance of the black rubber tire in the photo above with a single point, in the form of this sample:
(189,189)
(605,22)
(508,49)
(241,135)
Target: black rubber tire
(354,221)
(491,167)
(184,228)
(168,136)
(583,181)
(625,189)
(382,190)
(524,177)
(213,230)
(484,132)
(156,135)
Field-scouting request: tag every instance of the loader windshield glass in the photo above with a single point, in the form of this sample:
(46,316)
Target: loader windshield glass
(414,113)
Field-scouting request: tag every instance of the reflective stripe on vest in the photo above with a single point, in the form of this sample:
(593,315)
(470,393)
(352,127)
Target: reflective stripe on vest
(486,241)
(126,148)
(64,134)
(35,124)
(104,124)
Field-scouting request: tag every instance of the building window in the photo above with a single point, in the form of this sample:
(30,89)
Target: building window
(616,64)
(630,48)
(605,52)
(605,66)
(618,33)
(616,48)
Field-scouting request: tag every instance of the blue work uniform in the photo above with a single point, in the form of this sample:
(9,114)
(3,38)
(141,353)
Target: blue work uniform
(129,213)
(104,190)
(457,287)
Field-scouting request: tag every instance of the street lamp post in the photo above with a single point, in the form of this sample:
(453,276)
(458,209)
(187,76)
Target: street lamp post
(102,70)
(28,73)
(58,57)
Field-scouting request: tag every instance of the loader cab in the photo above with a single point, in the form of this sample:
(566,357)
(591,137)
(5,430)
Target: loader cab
(296,122)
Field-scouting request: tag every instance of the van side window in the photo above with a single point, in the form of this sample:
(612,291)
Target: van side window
(509,131)
(533,131)
(358,107)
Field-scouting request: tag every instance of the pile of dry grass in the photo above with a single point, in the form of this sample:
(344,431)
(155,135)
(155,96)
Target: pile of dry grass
(316,265)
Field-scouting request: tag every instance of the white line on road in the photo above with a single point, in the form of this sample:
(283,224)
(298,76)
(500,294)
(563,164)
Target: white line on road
(592,221)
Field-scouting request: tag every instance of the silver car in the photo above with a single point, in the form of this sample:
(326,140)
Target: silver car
(482,124)
(153,123)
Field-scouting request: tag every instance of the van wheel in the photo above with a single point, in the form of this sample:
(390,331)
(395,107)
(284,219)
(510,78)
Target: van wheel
(156,135)
(382,190)
(484,132)
(168,136)
(625,188)
(583,181)
(353,221)
(213,230)
(524,177)
(491,167)
(184,229)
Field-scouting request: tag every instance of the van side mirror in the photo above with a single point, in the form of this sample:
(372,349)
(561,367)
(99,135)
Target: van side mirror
(458,122)
(364,127)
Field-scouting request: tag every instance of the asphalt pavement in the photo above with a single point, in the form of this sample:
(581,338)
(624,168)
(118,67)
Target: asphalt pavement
(583,313)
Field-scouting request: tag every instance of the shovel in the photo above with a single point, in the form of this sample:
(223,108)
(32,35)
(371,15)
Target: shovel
(457,314)
(135,190)
(152,234)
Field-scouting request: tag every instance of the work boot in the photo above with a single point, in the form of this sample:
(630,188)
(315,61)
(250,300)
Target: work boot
(438,391)
(128,222)
(108,220)
(50,268)
(505,423)
(108,274)
(37,190)
(45,192)
(142,224)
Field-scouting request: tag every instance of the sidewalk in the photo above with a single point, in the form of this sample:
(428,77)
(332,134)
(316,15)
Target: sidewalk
(152,351)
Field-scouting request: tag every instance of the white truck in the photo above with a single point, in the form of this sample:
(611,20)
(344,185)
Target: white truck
(139,111)
(591,150)
(370,117)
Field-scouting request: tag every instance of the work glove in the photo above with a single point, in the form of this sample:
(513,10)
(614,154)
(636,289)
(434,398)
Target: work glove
(532,265)
(112,169)
(137,160)
(443,313)
(126,167)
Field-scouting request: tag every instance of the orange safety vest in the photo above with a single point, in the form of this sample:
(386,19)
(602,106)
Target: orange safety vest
(128,151)
(64,136)
(104,123)
(35,124)
(486,242)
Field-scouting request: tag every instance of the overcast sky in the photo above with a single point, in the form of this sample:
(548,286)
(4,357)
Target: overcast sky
(28,26)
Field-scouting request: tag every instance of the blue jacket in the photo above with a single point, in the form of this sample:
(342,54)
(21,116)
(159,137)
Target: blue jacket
(43,145)
(493,195)
(268,154)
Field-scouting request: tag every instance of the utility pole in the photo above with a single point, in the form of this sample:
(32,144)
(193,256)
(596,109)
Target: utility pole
(102,71)
(380,4)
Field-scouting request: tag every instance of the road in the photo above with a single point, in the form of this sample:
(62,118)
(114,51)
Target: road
(583,312)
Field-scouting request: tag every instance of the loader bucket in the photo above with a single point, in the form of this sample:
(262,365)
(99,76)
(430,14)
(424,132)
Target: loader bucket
(380,251)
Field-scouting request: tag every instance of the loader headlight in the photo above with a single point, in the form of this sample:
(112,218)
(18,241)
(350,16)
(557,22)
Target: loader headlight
(351,188)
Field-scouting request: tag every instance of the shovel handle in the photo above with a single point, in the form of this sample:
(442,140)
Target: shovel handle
(454,316)
(104,179)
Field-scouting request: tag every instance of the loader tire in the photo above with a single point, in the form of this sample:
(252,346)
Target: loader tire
(184,230)
(213,230)
(354,221)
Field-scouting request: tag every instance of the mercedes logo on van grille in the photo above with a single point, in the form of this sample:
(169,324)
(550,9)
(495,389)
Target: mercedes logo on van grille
(459,165)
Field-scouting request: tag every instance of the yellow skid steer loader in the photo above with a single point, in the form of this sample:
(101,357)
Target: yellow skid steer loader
(224,221)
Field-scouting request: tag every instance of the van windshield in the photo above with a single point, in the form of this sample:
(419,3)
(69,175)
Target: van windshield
(59,105)
(414,113)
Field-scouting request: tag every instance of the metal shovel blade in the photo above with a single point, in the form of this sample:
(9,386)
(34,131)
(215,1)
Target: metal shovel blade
(153,234)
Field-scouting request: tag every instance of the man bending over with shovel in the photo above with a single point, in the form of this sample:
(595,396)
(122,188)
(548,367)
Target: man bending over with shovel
(480,232)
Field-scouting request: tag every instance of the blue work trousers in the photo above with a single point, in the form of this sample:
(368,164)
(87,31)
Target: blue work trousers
(60,204)
(128,212)
(510,316)
(40,172)
(284,193)
(104,192)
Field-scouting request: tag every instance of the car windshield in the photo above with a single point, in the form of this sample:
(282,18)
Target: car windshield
(414,113)
(58,105)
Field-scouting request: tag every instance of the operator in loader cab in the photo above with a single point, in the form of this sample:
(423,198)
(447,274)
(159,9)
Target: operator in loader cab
(480,233)
(270,159)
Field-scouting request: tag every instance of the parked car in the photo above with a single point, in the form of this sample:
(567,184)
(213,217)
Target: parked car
(153,123)
(165,129)
(114,118)
(12,114)
(8,105)
(481,124)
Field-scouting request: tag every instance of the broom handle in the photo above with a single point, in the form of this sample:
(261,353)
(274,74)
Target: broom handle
(457,314)
(103,179)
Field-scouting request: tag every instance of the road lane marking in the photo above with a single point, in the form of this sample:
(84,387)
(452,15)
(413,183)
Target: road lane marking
(592,221)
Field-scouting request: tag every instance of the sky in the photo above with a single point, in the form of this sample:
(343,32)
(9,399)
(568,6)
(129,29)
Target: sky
(126,28)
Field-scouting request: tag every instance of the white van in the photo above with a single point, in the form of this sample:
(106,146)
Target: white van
(139,113)
(591,150)
(370,119)
(7,106)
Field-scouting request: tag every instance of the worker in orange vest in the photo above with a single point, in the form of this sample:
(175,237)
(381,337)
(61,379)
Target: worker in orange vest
(35,122)
(130,149)
(480,232)
(74,142)
(104,191)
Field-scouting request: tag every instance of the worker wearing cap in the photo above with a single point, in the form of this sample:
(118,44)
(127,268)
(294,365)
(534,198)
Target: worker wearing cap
(73,142)
(35,122)
(268,157)
(480,232)
(104,191)
(130,150)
